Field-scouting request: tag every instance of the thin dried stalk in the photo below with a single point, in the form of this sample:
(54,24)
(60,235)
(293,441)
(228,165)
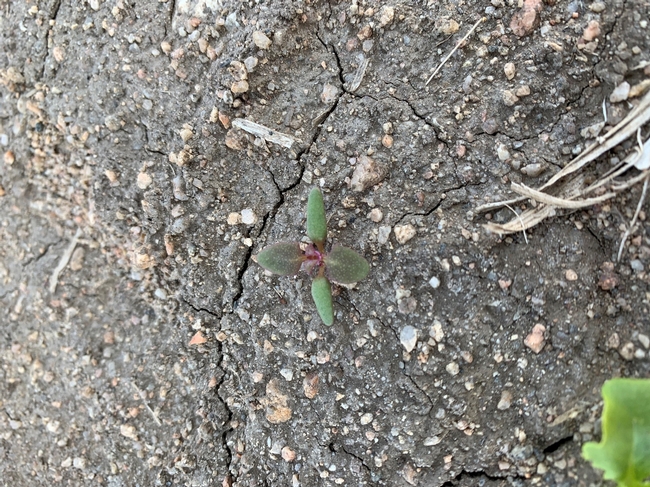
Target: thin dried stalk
(570,192)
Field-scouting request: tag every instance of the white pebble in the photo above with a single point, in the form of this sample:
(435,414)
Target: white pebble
(261,40)
(248,217)
(375,215)
(287,374)
(620,93)
(502,152)
(505,401)
(434,282)
(382,236)
(404,233)
(431,441)
(144,180)
(366,418)
(408,337)
(452,368)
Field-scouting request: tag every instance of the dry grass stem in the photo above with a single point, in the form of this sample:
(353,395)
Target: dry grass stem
(630,229)
(458,44)
(568,189)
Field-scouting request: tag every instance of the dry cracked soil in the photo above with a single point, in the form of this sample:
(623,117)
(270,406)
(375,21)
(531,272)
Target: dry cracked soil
(141,344)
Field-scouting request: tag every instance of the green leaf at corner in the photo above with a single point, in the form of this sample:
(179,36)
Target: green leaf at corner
(283,258)
(624,451)
(321,291)
(345,266)
(316,222)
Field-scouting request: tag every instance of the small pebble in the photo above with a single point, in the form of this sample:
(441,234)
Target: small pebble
(261,40)
(234,218)
(144,180)
(620,93)
(128,431)
(447,26)
(509,70)
(329,93)
(627,351)
(523,90)
(505,401)
(387,141)
(591,31)
(386,15)
(525,20)
(366,173)
(597,6)
(535,340)
(383,234)
(431,441)
(509,98)
(288,455)
(77,259)
(452,368)
(8,158)
(248,217)
(366,419)
(404,233)
(375,215)
(502,153)
(571,275)
(239,87)
(408,337)
(644,340)
(434,282)
(198,338)
(532,170)
(613,341)
(287,374)
(251,63)
(186,134)
(636,265)
(364,33)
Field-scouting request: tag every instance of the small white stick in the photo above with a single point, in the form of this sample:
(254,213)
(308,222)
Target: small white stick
(143,396)
(65,258)
(633,222)
(521,222)
(264,132)
(455,49)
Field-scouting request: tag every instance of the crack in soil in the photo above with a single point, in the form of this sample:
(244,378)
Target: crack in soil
(476,475)
(199,309)
(38,257)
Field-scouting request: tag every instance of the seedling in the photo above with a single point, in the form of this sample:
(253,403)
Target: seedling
(624,451)
(340,265)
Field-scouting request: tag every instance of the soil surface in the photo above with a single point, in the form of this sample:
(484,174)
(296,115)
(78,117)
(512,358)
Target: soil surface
(142,345)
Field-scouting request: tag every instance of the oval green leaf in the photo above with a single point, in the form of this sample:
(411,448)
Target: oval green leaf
(624,451)
(345,266)
(316,222)
(321,291)
(284,258)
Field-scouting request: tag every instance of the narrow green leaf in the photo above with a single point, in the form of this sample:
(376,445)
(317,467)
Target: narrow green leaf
(321,291)
(624,451)
(345,266)
(284,258)
(316,222)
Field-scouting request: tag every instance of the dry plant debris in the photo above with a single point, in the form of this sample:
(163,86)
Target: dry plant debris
(568,188)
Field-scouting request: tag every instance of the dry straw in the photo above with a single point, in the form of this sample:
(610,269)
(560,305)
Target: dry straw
(568,188)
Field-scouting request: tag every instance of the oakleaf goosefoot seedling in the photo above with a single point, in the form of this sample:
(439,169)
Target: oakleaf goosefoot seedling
(624,451)
(340,265)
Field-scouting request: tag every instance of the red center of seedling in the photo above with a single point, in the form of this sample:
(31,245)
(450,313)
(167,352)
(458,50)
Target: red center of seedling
(313,258)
